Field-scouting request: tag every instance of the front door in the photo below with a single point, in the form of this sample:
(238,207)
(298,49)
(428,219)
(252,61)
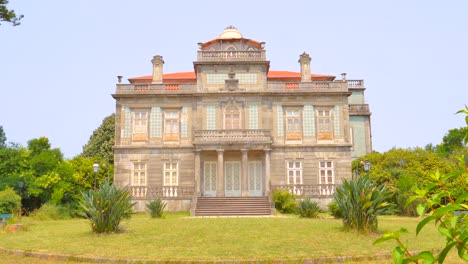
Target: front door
(232,178)
(209,178)
(255,178)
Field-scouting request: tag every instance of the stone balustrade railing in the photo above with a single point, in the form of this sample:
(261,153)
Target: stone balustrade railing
(151,192)
(355,83)
(292,87)
(314,190)
(358,109)
(232,136)
(232,55)
(155,88)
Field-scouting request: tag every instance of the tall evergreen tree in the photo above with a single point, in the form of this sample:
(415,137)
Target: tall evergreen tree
(7,15)
(101,142)
(2,138)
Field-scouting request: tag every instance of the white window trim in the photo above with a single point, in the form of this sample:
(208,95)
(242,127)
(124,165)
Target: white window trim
(326,169)
(139,171)
(172,171)
(294,169)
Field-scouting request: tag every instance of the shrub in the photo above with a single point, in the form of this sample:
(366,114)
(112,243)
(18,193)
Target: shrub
(10,202)
(106,207)
(49,211)
(156,208)
(308,208)
(285,202)
(334,210)
(361,202)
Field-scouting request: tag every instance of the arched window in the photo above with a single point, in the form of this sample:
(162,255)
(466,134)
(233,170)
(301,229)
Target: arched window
(232,117)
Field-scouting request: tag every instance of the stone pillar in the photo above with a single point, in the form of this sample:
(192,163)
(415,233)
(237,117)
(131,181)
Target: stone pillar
(220,174)
(267,170)
(197,171)
(245,171)
(157,69)
(304,60)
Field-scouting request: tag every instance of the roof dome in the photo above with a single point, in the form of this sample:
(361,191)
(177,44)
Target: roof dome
(230,33)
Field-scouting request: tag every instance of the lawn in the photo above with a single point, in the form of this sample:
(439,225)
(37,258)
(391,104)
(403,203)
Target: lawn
(185,238)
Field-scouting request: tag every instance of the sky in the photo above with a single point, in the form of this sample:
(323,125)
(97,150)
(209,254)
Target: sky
(58,68)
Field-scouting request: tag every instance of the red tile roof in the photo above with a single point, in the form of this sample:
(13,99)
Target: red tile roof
(190,77)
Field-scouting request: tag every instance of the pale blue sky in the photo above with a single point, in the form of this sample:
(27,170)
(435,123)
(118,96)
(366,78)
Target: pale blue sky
(58,69)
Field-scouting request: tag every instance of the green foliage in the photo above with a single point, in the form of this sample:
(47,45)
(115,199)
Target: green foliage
(49,211)
(439,206)
(285,202)
(404,189)
(334,210)
(3,138)
(101,142)
(452,142)
(156,208)
(7,15)
(10,202)
(308,208)
(106,207)
(361,201)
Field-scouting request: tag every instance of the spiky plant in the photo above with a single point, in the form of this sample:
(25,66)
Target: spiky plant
(308,208)
(360,202)
(106,207)
(156,208)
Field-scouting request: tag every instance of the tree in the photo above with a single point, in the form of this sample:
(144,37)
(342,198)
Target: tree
(101,142)
(9,15)
(452,141)
(2,138)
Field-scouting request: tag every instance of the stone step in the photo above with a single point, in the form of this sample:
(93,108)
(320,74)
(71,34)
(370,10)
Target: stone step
(231,206)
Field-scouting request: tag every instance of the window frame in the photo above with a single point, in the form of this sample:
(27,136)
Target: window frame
(326,166)
(294,170)
(227,111)
(140,172)
(325,130)
(140,130)
(173,173)
(171,131)
(293,123)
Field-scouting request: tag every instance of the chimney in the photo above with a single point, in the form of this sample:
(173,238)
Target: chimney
(157,69)
(304,60)
(343,76)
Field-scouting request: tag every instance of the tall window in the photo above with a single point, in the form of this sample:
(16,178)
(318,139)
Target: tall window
(138,174)
(294,172)
(232,117)
(325,125)
(326,172)
(171,125)
(140,125)
(293,125)
(171,174)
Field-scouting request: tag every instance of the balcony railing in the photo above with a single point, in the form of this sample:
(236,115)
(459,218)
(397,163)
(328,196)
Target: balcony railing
(234,55)
(314,190)
(355,84)
(292,87)
(151,192)
(359,109)
(232,136)
(155,88)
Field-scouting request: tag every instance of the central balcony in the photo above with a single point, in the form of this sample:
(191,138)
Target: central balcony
(232,136)
(240,55)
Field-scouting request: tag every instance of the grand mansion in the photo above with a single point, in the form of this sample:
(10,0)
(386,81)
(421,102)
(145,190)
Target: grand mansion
(234,130)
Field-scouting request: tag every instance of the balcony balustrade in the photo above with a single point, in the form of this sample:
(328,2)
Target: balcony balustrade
(168,192)
(313,190)
(355,84)
(292,87)
(155,88)
(234,55)
(232,136)
(359,109)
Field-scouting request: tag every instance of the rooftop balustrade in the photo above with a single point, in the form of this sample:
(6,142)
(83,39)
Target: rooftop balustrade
(232,55)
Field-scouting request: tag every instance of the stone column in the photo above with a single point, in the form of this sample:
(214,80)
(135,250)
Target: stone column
(197,171)
(220,174)
(157,69)
(304,60)
(245,171)
(267,170)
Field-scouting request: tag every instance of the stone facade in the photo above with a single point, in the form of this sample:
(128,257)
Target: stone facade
(234,128)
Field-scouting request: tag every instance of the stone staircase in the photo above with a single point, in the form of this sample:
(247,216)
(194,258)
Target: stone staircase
(225,206)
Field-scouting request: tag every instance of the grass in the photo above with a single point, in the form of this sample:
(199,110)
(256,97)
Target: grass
(182,238)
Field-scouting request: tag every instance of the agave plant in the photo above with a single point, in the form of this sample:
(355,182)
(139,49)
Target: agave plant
(360,202)
(106,207)
(156,208)
(308,208)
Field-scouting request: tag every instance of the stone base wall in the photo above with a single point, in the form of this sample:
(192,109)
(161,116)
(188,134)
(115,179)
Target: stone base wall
(179,205)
